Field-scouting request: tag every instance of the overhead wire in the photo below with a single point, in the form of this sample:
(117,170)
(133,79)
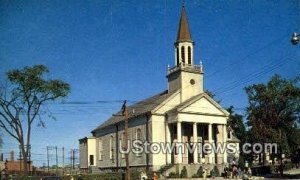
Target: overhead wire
(238,61)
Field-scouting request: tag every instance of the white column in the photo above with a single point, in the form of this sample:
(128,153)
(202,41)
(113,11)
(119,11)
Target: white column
(210,140)
(225,141)
(195,139)
(220,138)
(179,155)
(168,140)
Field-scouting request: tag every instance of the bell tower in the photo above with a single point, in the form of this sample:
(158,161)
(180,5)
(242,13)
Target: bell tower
(185,75)
(184,45)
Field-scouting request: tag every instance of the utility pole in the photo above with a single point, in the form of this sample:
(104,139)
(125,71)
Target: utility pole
(56,157)
(48,158)
(63,161)
(125,113)
(73,158)
(20,158)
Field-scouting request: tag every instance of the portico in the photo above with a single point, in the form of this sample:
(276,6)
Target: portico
(200,134)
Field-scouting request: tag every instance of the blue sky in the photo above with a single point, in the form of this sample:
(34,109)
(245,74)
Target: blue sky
(114,50)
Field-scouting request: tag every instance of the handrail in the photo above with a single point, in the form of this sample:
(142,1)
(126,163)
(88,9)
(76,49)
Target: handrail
(198,68)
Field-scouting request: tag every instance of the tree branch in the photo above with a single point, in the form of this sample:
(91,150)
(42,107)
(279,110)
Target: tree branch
(8,131)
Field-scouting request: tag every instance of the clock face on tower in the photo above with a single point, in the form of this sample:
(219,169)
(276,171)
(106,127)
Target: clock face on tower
(192,81)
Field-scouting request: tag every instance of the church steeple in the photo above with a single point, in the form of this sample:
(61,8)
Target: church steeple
(183,29)
(185,76)
(184,45)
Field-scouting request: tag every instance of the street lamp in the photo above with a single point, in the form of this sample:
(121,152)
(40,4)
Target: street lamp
(295,38)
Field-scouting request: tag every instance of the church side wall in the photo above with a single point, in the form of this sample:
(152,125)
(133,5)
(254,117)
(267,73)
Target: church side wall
(111,156)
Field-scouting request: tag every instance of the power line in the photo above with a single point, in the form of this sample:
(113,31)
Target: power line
(265,69)
(238,61)
(249,78)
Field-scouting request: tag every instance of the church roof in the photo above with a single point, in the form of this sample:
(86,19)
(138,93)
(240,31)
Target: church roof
(183,30)
(196,98)
(140,108)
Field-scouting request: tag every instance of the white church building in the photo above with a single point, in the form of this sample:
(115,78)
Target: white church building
(182,114)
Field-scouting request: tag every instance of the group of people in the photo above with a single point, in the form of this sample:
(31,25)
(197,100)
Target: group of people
(234,171)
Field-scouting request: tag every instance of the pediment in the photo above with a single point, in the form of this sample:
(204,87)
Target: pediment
(202,104)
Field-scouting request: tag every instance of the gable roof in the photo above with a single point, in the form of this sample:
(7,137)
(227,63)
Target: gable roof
(196,98)
(137,109)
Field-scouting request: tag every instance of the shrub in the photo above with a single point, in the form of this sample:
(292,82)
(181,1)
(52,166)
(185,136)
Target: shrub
(288,166)
(183,172)
(241,162)
(135,174)
(174,175)
(200,172)
(215,172)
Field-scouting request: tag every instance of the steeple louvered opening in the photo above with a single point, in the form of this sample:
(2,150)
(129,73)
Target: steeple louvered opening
(182,55)
(189,55)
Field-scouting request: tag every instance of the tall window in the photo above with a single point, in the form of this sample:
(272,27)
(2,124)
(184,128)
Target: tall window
(123,140)
(138,136)
(111,147)
(177,52)
(182,54)
(189,55)
(100,150)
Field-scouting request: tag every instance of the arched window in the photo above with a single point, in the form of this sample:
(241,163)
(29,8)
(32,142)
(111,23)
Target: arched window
(189,55)
(138,134)
(111,147)
(178,62)
(138,137)
(182,54)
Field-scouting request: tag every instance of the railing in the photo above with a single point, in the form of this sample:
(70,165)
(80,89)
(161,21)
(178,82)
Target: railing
(182,66)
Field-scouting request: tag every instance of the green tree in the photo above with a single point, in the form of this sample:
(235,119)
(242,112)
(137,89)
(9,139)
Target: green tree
(200,172)
(273,112)
(21,101)
(235,121)
(183,173)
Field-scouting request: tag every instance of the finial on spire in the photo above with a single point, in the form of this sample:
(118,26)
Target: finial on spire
(182,3)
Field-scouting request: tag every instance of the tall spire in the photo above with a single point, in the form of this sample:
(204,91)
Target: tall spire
(183,30)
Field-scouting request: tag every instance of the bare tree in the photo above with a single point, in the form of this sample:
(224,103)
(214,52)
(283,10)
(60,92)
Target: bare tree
(21,101)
